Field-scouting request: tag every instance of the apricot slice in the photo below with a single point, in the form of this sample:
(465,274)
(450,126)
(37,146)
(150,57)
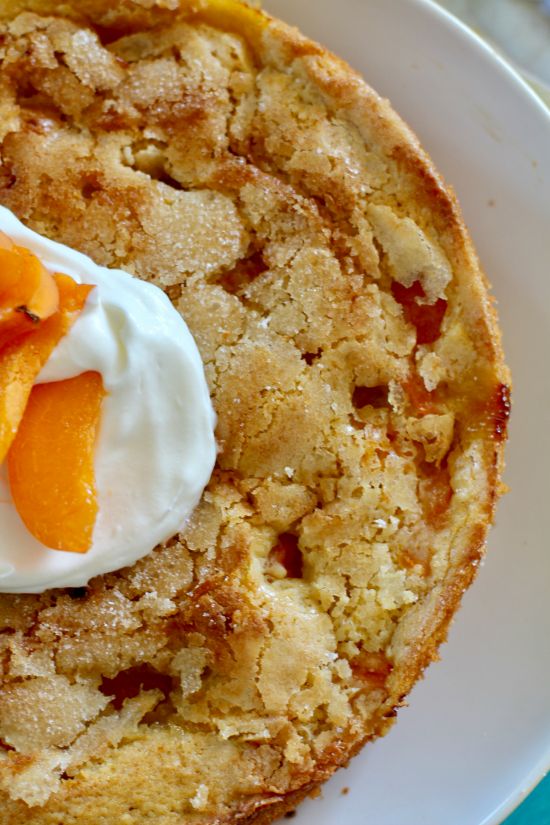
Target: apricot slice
(22,359)
(28,293)
(51,462)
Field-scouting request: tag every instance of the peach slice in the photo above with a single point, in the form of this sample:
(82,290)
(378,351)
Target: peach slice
(28,293)
(22,359)
(51,462)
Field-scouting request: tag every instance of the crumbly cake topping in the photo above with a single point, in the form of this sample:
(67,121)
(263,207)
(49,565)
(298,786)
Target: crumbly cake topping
(355,368)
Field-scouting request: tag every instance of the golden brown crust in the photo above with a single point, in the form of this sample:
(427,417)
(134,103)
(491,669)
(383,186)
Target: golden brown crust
(355,363)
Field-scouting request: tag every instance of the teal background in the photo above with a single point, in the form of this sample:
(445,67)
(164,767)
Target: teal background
(536,808)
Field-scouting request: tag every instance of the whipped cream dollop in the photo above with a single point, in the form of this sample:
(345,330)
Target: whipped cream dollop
(156,448)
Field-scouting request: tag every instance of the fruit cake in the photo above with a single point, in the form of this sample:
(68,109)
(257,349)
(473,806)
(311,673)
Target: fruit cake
(353,357)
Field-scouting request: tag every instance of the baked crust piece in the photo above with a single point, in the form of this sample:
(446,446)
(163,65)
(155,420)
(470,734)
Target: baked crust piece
(355,364)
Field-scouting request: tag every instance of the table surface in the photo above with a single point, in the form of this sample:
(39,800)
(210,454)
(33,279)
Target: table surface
(536,808)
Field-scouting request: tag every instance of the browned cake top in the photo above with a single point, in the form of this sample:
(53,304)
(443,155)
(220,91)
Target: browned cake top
(356,371)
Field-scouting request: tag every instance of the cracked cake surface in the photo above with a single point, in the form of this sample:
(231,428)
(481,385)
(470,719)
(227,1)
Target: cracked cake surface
(354,362)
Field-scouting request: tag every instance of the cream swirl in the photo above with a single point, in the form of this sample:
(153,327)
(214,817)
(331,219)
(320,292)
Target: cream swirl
(156,447)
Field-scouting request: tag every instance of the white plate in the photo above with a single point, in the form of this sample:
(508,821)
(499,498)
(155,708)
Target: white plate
(477,734)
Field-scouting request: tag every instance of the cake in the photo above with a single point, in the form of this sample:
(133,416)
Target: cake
(353,357)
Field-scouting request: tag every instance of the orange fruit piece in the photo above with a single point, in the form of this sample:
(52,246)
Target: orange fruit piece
(51,462)
(22,359)
(28,293)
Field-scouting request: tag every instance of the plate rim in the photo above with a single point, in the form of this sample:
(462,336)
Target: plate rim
(516,85)
(511,75)
(495,56)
